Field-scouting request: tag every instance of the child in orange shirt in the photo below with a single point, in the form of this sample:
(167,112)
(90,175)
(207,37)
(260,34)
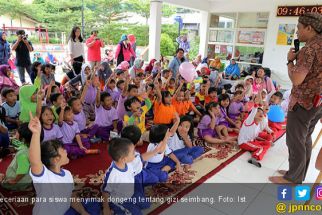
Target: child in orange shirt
(164,111)
(182,105)
(211,95)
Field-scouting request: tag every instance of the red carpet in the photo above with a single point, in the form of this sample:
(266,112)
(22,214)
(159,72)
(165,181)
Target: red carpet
(90,171)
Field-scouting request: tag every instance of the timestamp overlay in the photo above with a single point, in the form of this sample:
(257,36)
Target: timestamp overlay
(298,10)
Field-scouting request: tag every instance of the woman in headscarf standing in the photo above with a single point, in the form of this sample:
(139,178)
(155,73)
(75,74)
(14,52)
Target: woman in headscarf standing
(124,51)
(4,48)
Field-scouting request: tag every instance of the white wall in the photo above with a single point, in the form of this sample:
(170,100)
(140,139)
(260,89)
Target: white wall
(274,55)
(24,22)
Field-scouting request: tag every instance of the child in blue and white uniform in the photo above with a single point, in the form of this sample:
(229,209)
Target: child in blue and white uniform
(120,178)
(181,142)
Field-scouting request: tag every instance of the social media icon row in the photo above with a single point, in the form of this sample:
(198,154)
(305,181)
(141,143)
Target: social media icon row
(302,193)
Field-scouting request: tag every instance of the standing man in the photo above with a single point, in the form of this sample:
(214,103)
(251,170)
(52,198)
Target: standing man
(304,108)
(94,45)
(176,61)
(23,47)
(184,43)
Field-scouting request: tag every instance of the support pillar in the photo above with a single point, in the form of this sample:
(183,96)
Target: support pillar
(155,29)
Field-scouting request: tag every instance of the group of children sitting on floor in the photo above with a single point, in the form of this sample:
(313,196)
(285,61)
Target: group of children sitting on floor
(63,127)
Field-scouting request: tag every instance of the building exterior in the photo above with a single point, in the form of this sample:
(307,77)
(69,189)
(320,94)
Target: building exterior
(257,19)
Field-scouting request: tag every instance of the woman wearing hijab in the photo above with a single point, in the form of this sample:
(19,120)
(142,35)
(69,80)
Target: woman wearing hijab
(215,64)
(4,48)
(148,69)
(232,72)
(104,72)
(28,102)
(136,68)
(6,80)
(124,51)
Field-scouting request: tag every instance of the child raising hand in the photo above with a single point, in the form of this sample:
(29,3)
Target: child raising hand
(46,161)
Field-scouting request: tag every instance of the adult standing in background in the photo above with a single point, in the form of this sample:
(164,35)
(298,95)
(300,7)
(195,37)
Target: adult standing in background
(124,51)
(23,47)
(75,49)
(176,61)
(304,109)
(132,40)
(184,43)
(4,49)
(94,45)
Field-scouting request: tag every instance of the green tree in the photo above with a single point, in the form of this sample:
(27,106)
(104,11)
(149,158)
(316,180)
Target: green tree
(17,9)
(167,47)
(142,7)
(194,47)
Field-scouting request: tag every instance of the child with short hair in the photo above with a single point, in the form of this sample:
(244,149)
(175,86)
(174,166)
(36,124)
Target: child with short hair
(47,119)
(181,143)
(165,75)
(164,111)
(12,108)
(146,177)
(211,95)
(73,143)
(87,129)
(251,139)
(17,177)
(129,90)
(276,115)
(136,114)
(209,128)
(161,164)
(200,96)
(105,116)
(182,105)
(46,160)
(125,166)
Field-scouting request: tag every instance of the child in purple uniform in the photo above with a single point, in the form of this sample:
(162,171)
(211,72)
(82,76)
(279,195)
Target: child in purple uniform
(236,108)
(47,119)
(87,129)
(111,88)
(209,128)
(224,102)
(73,144)
(106,116)
(90,93)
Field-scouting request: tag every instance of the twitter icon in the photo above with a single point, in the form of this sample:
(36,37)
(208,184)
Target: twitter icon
(302,193)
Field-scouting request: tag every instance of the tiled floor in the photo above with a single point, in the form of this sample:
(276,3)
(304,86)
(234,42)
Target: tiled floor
(238,173)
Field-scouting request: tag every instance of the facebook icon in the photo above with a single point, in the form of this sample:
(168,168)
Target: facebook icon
(284,193)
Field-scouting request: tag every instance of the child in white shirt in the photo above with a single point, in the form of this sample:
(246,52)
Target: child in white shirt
(49,179)
(119,182)
(250,138)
